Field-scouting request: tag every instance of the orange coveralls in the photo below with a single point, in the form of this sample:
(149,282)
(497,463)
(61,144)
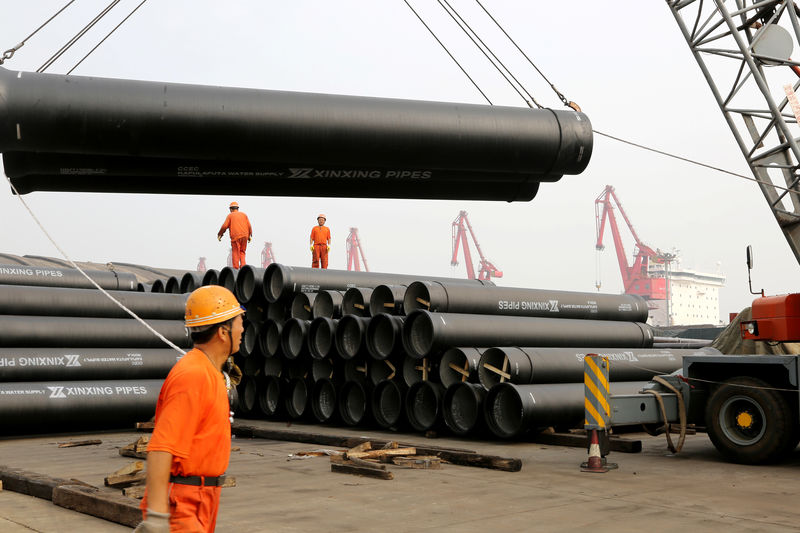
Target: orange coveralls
(240,231)
(321,238)
(193,425)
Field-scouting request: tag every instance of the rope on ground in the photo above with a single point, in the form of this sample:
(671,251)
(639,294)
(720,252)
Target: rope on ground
(93,282)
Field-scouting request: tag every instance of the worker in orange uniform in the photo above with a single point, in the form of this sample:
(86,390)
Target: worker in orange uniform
(320,243)
(190,446)
(238,226)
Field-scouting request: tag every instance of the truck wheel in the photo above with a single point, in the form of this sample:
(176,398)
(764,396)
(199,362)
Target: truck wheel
(748,423)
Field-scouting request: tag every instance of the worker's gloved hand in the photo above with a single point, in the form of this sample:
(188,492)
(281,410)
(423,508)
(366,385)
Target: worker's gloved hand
(234,372)
(329,248)
(155,523)
(312,247)
(250,239)
(219,237)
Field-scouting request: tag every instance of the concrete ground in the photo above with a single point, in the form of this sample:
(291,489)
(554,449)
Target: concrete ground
(651,491)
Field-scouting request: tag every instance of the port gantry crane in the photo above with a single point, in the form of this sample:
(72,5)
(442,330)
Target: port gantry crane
(636,278)
(460,227)
(267,257)
(354,250)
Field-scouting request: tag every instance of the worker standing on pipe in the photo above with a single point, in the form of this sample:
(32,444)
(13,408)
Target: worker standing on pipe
(238,226)
(191,442)
(320,243)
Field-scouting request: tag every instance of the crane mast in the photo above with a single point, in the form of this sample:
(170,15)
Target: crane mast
(747,47)
(460,228)
(354,251)
(267,257)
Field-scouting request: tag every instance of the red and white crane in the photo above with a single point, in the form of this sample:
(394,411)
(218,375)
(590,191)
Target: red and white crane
(267,257)
(354,251)
(201,265)
(636,278)
(460,227)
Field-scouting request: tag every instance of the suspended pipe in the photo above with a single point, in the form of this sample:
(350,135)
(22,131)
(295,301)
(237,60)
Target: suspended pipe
(52,364)
(353,403)
(58,301)
(565,365)
(512,410)
(350,336)
(54,332)
(462,408)
(356,301)
(444,297)
(162,137)
(191,281)
(425,333)
(294,338)
(323,400)
(249,283)
(66,277)
(387,299)
(51,405)
(227,278)
(424,405)
(459,365)
(388,398)
(282,281)
(322,337)
(328,304)
(384,336)
(211,277)
(301,305)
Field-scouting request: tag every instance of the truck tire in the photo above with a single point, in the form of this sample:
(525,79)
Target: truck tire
(749,423)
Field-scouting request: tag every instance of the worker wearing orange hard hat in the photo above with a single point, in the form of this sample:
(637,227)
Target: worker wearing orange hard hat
(320,243)
(238,226)
(190,446)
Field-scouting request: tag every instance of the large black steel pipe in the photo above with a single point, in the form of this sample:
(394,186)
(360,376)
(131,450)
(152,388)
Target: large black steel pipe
(425,333)
(444,297)
(191,281)
(297,397)
(66,277)
(270,338)
(287,143)
(282,281)
(211,277)
(227,278)
(322,337)
(388,398)
(50,364)
(350,336)
(323,400)
(415,370)
(51,405)
(424,405)
(269,399)
(250,339)
(512,410)
(173,285)
(459,365)
(565,365)
(58,301)
(327,304)
(49,331)
(462,407)
(301,305)
(387,299)
(386,369)
(249,283)
(158,286)
(353,403)
(294,338)
(356,301)
(384,336)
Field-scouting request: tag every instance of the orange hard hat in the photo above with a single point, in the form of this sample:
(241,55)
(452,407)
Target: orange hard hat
(234,204)
(209,305)
(322,215)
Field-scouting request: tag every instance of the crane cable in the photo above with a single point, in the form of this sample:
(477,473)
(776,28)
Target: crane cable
(8,54)
(77,36)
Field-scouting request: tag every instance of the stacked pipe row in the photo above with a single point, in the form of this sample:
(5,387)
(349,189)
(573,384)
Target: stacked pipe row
(71,357)
(424,353)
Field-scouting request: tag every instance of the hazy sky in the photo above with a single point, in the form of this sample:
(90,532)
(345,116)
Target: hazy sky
(625,63)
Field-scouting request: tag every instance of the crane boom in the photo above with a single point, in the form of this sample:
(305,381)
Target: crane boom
(354,251)
(460,228)
(747,40)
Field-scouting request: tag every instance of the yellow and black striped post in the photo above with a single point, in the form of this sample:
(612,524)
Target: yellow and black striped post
(595,385)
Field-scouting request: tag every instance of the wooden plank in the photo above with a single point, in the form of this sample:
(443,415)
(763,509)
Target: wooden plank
(124,480)
(380,453)
(87,500)
(131,468)
(364,446)
(341,460)
(79,443)
(506,464)
(30,483)
(617,444)
(137,491)
(130,453)
(229,481)
(419,461)
(145,426)
(361,471)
